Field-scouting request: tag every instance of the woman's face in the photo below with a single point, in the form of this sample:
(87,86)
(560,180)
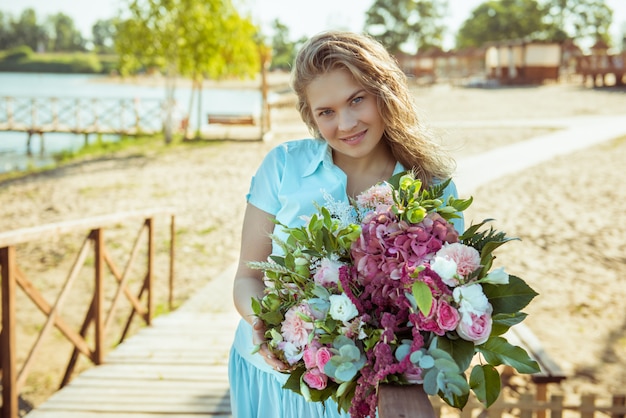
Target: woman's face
(346,115)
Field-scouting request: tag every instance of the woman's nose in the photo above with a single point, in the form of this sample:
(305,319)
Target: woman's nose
(347,121)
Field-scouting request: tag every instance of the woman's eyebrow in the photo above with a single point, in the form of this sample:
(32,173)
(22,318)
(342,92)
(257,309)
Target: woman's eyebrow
(348,99)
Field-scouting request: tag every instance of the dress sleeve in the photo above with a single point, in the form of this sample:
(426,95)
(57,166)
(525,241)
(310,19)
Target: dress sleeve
(266,183)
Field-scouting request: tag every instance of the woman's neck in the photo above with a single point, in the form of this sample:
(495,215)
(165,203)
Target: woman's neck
(363,173)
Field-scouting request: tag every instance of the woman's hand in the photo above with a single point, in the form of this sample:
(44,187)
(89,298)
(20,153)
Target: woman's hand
(258,338)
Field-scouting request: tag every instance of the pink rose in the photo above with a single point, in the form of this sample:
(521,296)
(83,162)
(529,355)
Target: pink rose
(322,357)
(447,316)
(310,356)
(295,329)
(328,272)
(475,328)
(315,379)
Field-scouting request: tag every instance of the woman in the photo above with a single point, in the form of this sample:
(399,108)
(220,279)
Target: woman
(354,98)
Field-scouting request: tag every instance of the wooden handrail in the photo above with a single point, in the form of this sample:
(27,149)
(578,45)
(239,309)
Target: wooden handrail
(12,277)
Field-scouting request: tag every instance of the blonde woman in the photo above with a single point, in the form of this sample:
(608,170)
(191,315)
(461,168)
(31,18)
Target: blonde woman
(355,101)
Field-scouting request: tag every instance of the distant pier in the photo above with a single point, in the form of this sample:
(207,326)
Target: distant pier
(80,115)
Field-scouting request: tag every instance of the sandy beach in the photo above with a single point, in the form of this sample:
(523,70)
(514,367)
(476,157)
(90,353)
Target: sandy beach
(566,212)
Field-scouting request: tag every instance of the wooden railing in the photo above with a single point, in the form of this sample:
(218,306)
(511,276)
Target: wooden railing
(98,316)
(81,115)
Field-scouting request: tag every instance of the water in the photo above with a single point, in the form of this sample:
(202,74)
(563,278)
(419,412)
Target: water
(13,155)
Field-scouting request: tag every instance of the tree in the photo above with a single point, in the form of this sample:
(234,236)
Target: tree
(27,31)
(579,19)
(408,24)
(498,20)
(283,50)
(63,34)
(193,38)
(103,34)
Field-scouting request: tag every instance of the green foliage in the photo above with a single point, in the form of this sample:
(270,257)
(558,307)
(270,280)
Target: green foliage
(18,53)
(196,38)
(578,19)
(498,350)
(412,24)
(498,20)
(546,20)
(485,382)
(56,63)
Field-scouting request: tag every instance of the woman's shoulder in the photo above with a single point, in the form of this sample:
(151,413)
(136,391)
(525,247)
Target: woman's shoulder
(299,148)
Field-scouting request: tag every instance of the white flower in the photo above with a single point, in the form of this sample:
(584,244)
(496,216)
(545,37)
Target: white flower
(471,300)
(446,269)
(293,354)
(497,276)
(342,308)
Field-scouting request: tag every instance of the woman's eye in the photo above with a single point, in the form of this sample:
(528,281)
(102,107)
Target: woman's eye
(357,99)
(325,112)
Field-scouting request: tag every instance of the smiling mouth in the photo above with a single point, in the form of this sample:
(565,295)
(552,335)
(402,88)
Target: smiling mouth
(354,137)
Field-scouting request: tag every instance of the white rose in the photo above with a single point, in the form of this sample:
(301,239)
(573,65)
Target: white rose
(342,308)
(497,276)
(471,300)
(446,269)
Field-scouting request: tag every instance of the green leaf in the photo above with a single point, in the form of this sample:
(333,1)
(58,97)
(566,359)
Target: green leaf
(461,351)
(423,297)
(510,298)
(293,382)
(497,350)
(502,322)
(485,382)
(256,306)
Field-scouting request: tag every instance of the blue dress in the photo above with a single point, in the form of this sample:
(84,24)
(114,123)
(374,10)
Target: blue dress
(292,178)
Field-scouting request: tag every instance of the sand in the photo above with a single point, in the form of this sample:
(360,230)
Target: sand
(567,212)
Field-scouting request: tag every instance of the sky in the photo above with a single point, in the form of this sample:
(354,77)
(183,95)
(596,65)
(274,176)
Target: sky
(304,18)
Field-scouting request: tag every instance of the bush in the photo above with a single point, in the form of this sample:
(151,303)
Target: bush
(18,53)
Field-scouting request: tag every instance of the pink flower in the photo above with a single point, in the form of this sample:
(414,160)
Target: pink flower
(328,272)
(295,329)
(310,355)
(447,316)
(315,379)
(475,328)
(322,357)
(467,258)
(375,197)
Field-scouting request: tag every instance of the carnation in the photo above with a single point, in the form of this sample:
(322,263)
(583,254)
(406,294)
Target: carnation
(296,330)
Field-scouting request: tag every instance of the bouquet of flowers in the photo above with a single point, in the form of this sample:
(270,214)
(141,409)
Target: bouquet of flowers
(386,291)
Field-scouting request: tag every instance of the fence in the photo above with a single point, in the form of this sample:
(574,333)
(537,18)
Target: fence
(80,115)
(98,316)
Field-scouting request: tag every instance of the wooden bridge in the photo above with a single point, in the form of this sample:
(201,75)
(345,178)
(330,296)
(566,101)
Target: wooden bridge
(81,115)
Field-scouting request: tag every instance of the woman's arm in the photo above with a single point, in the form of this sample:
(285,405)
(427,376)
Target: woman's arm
(256,245)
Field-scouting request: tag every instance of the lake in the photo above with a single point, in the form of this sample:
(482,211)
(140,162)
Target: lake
(13,144)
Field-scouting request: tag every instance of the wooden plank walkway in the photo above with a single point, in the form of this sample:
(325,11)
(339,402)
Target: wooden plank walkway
(177,368)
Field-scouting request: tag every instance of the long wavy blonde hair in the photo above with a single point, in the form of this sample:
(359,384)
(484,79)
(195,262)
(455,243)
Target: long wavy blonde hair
(378,73)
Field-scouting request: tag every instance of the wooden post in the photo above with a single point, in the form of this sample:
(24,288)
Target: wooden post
(98,239)
(556,406)
(542,395)
(618,400)
(172,254)
(150,278)
(7,336)
(396,401)
(587,406)
(526,403)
